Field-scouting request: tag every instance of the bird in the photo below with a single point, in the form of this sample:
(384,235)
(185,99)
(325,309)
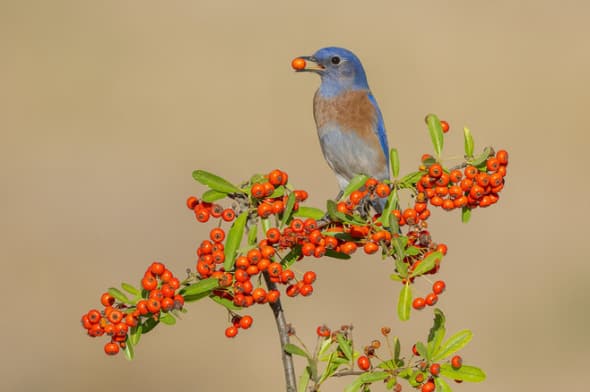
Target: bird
(349,122)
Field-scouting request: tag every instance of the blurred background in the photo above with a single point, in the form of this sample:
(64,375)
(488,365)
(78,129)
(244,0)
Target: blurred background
(107,107)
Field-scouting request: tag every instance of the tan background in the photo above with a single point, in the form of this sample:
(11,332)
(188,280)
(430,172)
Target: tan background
(106,108)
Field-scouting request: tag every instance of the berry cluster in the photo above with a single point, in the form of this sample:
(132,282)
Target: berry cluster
(117,318)
(475,186)
(432,298)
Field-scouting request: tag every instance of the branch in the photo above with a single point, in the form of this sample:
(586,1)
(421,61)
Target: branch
(283,329)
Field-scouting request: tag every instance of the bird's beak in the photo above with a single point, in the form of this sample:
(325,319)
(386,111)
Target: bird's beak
(311,65)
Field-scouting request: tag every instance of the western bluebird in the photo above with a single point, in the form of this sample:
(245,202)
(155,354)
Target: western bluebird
(348,120)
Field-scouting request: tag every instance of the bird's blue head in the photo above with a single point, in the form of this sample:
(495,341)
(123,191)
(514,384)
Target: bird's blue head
(339,69)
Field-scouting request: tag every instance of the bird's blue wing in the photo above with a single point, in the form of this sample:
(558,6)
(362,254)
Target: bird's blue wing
(380,130)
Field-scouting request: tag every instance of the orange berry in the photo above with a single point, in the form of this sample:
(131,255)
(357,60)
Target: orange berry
(363,362)
(268,189)
(441,191)
(307,249)
(455,176)
(149,282)
(228,215)
(273,235)
(257,191)
(419,303)
(319,251)
(435,170)
(264,210)
(275,177)
(436,201)
(259,295)
(428,387)
(370,247)
(106,299)
(263,264)
(167,304)
(297,225)
(470,172)
(275,269)
(306,290)
(492,164)
(111,348)
(348,247)
(246,322)
(202,215)
(309,277)
(300,195)
(502,157)
(476,192)
(287,275)
(356,197)
(323,331)
(116,316)
(382,190)
(277,207)
(431,299)
(438,287)
(272,296)
(435,369)
(482,179)
(192,202)
(231,332)
(445,126)
(448,204)
(217,234)
(443,180)
(153,305)
(442,248)
(93,316)
(298,64)
(456,362)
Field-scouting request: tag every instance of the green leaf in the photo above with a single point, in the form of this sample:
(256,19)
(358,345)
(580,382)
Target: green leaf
(196,297)
(394,158)
(128,350)
(437,332)
(404,302)
(201,287)
(135,334)
(386,216)
(168,319)
(225,302)
(253,233)
(371,377)
(465,214)
(326,343)
(278,192)
(412,251)
(119,296)
(131,289)
(411,179)
(309,212)
(215,182)
(422,350)
(337,255)
(212,195)
(233,240)
(441,385)
(345,346)
(355,183)
(402,268)
(288,209)
(292,256)
(304,380)
(355,386)
(295,350)
(468,138)
(396,351)
(436,133)
(148,325)
(454,344)
(396,277)
(464,373)
(481,158)
(427,264)
(391,382)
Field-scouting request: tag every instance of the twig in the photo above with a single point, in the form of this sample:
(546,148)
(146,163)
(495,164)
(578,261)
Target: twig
(344,373)
(283,329)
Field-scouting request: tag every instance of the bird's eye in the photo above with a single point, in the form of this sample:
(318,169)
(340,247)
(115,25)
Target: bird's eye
(335,60)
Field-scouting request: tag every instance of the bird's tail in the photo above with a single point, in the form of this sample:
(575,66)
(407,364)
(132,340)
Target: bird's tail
(378,204)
